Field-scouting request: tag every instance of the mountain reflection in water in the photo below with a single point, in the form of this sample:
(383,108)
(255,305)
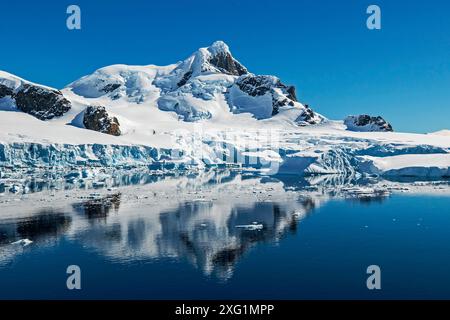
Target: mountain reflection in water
(212,234)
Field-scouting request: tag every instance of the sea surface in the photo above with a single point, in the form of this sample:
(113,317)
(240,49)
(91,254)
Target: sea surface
(301,247)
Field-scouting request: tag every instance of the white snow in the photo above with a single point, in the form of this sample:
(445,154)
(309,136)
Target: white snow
(425,165)
(441,133)
(195,125)
(15,82)
(23,242)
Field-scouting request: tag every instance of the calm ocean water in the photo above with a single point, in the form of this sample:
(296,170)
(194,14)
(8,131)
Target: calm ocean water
(198,250)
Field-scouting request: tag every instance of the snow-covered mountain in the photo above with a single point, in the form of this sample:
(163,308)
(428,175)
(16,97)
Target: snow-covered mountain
(210,84)
(206,110)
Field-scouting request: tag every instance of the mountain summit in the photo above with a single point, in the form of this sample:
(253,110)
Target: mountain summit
(209,84)
(218,58)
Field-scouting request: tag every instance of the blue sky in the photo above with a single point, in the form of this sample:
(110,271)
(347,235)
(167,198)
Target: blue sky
(339,67)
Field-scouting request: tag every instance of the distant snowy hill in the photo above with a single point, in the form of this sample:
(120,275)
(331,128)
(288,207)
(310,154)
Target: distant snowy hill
(206,110)
(442,133)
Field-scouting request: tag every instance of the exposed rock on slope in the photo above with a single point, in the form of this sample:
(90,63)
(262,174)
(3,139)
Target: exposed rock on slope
(367,123)
(5,91)
(41,102)
(96,118)
(264,97)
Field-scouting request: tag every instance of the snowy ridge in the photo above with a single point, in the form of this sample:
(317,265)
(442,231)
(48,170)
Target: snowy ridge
(15,82)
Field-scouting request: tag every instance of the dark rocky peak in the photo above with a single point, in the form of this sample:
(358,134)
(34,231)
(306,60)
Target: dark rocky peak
(222,59)
(216,58)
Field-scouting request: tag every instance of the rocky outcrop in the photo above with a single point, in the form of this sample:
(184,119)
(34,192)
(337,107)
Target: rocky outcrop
(110,87)
(258,85)
(40,102)
(267,89)
(282,95)
(184,79)
(96,118)
(367,123)
(308,116)
(5,91)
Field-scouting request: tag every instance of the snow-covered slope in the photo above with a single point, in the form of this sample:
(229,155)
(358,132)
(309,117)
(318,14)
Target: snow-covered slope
(207,110)
(442,133)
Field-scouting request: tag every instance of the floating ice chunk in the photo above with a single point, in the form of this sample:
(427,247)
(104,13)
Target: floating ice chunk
(253,226)
(23,242)
(365,192)
(297,214)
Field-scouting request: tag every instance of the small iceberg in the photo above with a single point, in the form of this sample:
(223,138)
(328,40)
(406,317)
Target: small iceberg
(253,226)
(23,242)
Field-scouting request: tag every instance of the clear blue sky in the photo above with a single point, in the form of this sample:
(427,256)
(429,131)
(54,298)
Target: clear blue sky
(322,47)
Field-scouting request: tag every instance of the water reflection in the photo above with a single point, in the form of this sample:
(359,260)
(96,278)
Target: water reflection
(95,209)
(211,234)
(225,216)
(214,237)
(45,226)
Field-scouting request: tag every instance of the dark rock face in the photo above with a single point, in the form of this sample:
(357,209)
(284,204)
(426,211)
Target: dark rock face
(225,62)
(110,87)
(260,85)
(96,118)
(185,79)
(292,93)
(309,115)
(281,95)
(40,102)
(365,122)
(257,85)
(277,103)
(5,91)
